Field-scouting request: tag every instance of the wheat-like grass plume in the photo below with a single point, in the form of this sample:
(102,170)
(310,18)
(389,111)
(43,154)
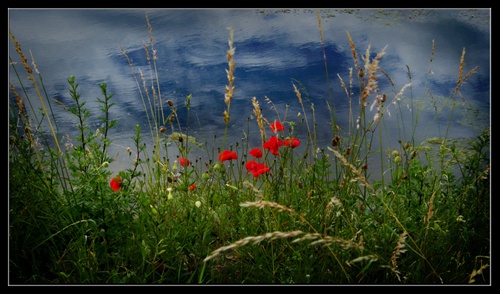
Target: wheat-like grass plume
(20,52)
(343,85)
(398,250)
(353,52)
(228,96)
(253,240)
(257,111)
(31,77)
(430,212)
(461,77)
(19,101)
(262,204)
(359,175)
(371,66)
(460,71)
(321,239)
(299,97)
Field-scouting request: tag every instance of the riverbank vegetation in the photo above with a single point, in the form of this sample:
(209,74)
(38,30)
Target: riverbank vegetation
(285,211)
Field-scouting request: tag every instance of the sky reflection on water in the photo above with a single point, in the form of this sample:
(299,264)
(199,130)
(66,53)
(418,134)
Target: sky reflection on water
(273,49)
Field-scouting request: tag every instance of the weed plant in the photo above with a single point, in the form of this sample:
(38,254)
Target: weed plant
(287,211)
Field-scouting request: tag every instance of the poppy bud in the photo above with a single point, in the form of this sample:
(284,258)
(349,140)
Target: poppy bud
(170,196)
(361,73)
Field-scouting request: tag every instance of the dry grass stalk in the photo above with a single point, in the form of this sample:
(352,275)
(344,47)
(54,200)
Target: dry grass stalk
(259,193)
(334,205)
(432,57)
(461,77)
(299,96)
(359,176)
(330,240)
(262,204)
(400,93)
(477,272)
(371,67)
(37,88)
(297,92)
(146,91)
(395,100)
(460,70)
(60,103)
(228,96)
(19,101)
(369,258)
(139,87)
(33,63)
(24,60)
(146,51)
(150,30)
(351,79)
(156,92)
(343,85)
(398,250)
(257,112)
(353,51)
(430,212)
(320,27)
(387,76)
(253,240)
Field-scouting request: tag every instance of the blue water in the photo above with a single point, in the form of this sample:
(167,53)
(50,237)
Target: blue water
(274,48)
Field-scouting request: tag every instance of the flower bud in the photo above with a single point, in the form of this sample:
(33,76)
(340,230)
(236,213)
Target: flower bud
(232,187)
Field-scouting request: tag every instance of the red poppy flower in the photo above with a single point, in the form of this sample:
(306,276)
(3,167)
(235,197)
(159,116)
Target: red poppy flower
(292,142)
(261,169)
(183,161)
(191,188)
(256,168)
(227,155)
(276,126)
(116,183)
(251,165)
(273,145)
(256,152)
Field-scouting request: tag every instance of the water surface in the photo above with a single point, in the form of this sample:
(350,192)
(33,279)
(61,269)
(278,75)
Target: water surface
(274,48)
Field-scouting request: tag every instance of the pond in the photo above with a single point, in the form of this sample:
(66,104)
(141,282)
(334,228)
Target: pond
(275,49)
